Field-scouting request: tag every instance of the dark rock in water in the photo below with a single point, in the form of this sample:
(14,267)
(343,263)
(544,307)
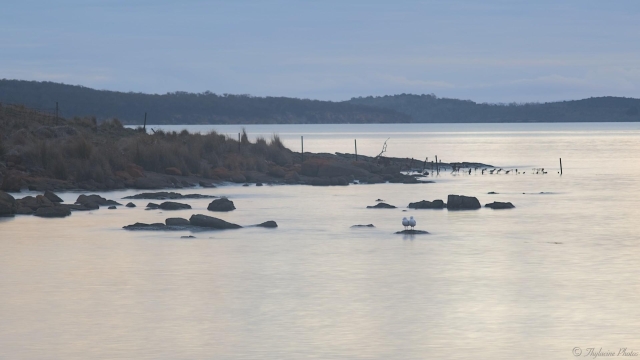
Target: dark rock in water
(165,195)
(222,204)
(259,184)
(50,212)
(94,200)
(361,226)
(379,200)
(268,224)
(492,193)
(52,197)
(496,205)
(461,202)
(143,226)
(130,205)
(187,237)
(381,206)
(8,205)
(23,210)
(412,232)
(152,206)
(170,205)
(177,222)
(424,204)
(211,222)
(112,207)
(206,184)
(245,184)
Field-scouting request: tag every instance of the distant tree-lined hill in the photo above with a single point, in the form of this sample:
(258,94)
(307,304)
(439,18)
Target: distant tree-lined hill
(189,108)
(431,109)
(210,108)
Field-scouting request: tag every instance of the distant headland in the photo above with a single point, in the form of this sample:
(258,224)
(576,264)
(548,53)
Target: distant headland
(210,108)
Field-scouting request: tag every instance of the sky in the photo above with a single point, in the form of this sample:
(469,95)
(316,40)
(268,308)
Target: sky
(487,51)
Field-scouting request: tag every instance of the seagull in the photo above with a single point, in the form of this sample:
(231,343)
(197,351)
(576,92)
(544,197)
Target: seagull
(405,222)
(412,222)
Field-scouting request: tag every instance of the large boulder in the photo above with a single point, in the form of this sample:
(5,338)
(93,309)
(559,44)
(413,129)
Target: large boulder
(222,204)
(424,204)
(170,205)
(12,181)
(461,202)
(177,222)
(496,205)
(8,206)
(211,222)
(53,212)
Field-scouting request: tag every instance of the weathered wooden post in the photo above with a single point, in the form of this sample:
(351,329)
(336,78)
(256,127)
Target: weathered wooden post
(144,126)
(355,143)
(302,143)
(560,166)
(437,166)
(424,164)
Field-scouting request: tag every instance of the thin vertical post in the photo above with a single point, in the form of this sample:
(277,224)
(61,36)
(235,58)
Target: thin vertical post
(144,126)
(437,166)
(560,166)
(425,163)
(239,142)
(355,143)
(302,143)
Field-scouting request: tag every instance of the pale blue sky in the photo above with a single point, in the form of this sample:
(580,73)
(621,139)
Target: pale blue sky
(494,51)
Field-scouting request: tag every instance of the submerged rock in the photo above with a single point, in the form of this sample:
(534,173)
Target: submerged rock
(164,195)
(381,206)
(496,205)
(211,222)
(222,204)
(424,204)
(361,226)
(461,202)
(143,226)
(412,232)
(187,237)
(268,224)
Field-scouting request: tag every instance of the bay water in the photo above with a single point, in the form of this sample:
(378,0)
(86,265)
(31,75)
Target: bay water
(557,273)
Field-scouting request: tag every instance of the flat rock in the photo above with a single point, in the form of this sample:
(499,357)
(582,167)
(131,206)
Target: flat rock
(165,195)
(143,226)
(496,205)
(95,199)
(424,204)
(177,222)
(461,202)
(412,232)
(53,212)
(211,222)
(381,206)
(222,204)
(362,226)
(187,237)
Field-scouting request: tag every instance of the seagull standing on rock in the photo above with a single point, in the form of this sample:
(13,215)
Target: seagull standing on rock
(412,222)
(405,222)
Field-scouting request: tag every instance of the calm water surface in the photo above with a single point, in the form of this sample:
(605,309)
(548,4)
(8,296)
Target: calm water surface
(559,271)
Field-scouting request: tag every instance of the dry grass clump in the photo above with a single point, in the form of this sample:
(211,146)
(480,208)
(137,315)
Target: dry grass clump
(97,151)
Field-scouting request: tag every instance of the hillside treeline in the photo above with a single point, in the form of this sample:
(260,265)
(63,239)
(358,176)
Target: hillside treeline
(431,109)
(188,108)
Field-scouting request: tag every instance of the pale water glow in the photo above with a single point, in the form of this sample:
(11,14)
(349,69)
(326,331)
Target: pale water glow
(559,271)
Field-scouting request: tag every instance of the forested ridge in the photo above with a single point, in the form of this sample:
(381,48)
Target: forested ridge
(210,108)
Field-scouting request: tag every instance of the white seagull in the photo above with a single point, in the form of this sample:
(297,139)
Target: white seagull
(412,222)
(405,222)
